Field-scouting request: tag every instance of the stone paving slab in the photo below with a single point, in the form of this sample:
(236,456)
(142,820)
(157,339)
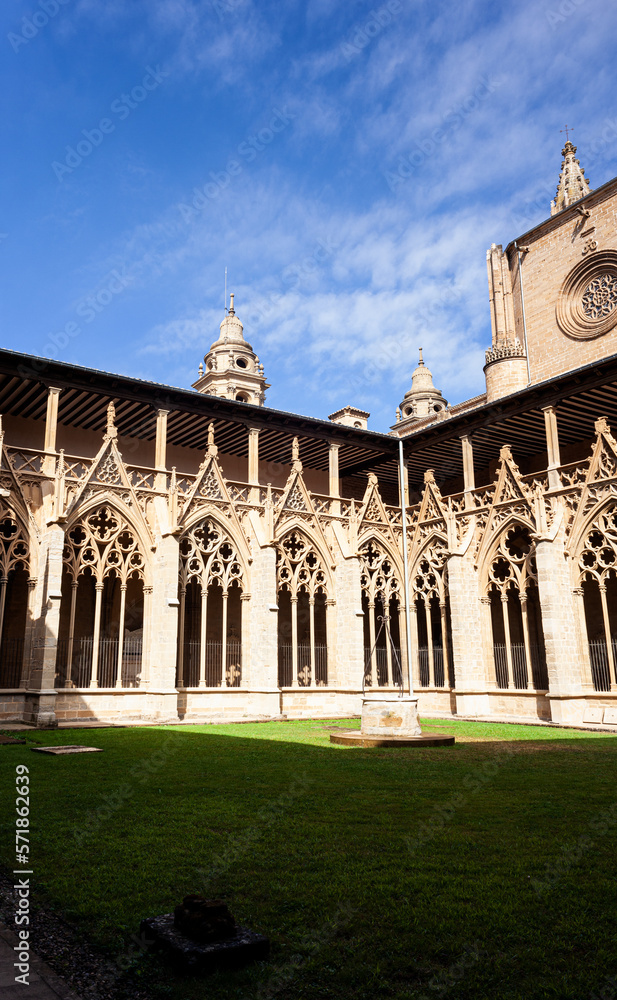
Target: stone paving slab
(43,984)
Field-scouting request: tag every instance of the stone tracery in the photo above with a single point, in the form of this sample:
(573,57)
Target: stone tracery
(212,581)
(101,629)
(302,586)
(14,570)
(518,642)
(381,597)
(597,573)
(430,595)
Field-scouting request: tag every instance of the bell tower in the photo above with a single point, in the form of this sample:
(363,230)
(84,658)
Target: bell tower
(422,400)
(232,369)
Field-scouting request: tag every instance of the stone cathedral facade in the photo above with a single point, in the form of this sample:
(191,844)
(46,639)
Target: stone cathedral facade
(192,554)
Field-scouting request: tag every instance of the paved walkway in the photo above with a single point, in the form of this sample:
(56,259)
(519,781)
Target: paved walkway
(43,984)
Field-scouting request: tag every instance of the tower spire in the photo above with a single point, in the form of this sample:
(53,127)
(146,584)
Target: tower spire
(232,369)
(573,185)
(423,399)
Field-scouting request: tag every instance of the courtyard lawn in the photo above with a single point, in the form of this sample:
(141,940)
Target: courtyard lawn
(484,870)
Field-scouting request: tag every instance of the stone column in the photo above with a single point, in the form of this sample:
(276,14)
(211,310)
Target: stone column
(565,653)
(51,429)
(586,676)
(468,647)
(334,481)
(51,420)
(253,463)
(552,446)
(161,629)
(348,632)
(160,449)
(45,611)
(260,631)
(469,476)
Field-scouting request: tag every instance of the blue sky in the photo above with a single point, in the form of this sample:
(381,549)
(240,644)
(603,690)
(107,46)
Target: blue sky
(349,163)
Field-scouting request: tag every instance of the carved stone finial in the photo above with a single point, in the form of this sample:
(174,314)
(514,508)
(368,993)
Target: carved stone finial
(398,414)
(602,426)
(200,370)
(505,453)
(111,432)
(429,475)
(372,479)
(295,450)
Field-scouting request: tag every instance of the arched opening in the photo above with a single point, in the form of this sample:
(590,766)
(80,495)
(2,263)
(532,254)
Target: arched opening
(13,627)
(210,621)
(100,639)
(432,611)
(598,591)
(285,659)
(382,608)
(14,575)
(516,616)
(302,616)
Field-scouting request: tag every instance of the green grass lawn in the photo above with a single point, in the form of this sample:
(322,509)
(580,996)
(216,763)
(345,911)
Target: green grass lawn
(483,870)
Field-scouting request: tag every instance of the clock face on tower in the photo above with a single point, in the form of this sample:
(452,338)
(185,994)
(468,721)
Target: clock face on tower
(587,304)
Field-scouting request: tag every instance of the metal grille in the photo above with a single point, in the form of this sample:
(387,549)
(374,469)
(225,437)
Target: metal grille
(285,665)
(214,673)
(519,666)
(440,679)
(79,674)
(600,671)
(539,672)
(501,664)
(425,673)
(11,660)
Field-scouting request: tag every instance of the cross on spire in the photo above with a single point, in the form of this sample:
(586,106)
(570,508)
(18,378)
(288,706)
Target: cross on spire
(567,130)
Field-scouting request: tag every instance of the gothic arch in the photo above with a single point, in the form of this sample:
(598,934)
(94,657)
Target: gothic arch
(213,575)
(105,590)
(101,537)
(431,607)
(15,555)
(305,588)
(381,582)
(595,569)
(510,588)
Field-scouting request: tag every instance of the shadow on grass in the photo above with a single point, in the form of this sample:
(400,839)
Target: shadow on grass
(376,873)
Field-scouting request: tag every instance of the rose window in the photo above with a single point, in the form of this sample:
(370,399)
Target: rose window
(600,296)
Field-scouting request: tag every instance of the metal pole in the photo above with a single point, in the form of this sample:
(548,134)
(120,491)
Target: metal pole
(401,471)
